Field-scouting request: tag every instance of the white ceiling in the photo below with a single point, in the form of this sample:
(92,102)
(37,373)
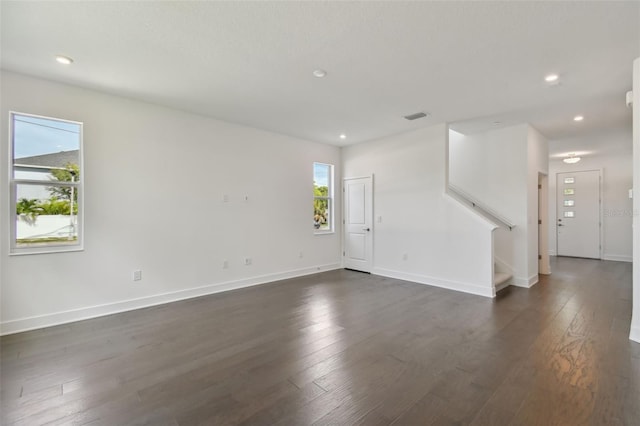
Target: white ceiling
(469,63)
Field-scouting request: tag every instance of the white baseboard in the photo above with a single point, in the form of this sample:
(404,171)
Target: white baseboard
(525,282)
(57,318)
(476,289)
(618,257)
(635,333)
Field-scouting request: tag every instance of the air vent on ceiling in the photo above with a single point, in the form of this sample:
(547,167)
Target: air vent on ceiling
(415,116)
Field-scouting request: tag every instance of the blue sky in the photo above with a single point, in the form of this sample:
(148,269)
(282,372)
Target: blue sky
(38,136)
(321,174)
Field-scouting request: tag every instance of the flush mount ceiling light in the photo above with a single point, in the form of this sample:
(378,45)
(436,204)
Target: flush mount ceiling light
(551,78)
(578,118)
(64,60)
(343,136)
(319,73)
(571,159)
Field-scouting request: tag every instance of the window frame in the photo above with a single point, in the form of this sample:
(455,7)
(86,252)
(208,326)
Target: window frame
(330,198)
(14,250)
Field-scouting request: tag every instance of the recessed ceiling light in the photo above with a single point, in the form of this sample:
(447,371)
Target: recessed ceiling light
(319,73)
(550,78)
(578,118)
(343,136)
(64,60)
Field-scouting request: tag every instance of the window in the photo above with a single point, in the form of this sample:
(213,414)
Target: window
(322,198)
(46,184)
(569,191)
(569,203)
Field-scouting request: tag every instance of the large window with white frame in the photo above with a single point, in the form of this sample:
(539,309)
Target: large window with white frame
(322,198)
(46,184)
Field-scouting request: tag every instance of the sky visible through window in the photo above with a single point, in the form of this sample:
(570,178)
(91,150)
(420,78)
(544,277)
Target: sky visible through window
(321,174)
(39,136)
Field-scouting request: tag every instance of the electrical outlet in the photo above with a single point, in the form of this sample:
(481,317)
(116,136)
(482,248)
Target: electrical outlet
(225,198)
(225,264)
(137,275)
(247,261)
(301,255)
(405,256)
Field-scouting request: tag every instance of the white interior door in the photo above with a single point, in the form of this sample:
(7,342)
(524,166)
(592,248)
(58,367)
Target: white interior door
(578,220)
(358,218)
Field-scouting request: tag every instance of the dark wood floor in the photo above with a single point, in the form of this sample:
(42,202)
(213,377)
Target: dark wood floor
(343,348)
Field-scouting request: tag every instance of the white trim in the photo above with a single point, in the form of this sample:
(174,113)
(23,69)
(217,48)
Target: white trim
(618,257)
(526,282)
(635,333)
(552,252)
(472,288)
(57,318)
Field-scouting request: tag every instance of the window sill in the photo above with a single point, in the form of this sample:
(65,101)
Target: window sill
(44,250)
(324,232)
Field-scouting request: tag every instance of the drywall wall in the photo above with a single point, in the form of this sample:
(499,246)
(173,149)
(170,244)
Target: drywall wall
(611,153)
(498,168)
(538,163)
(445,244)
(154,185)
(635,321)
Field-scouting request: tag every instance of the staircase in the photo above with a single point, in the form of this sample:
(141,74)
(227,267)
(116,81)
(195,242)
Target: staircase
(501,280)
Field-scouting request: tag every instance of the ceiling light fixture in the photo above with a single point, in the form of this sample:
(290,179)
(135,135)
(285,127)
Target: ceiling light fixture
(571,159)
(343,136)
(578,118)
(551,78)
(64,60)
(319,73)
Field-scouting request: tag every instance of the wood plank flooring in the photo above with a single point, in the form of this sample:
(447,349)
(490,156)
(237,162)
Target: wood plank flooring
(342,348)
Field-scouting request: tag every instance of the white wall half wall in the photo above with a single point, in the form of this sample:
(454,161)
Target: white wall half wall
(500,169)
(155,180)
(609,152)
(446,244)
(635,321)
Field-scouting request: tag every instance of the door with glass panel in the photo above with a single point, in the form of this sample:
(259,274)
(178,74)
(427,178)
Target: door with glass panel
(578,214)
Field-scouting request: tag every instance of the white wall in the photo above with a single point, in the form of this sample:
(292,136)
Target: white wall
(617,178)
(154,184)
(447,245)
(538,163)
(500,168)
(635,321)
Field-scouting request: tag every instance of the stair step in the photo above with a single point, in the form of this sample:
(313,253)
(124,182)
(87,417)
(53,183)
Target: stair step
(500,280)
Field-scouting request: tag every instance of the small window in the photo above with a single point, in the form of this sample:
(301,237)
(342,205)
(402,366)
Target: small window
(46,184)
(569,214)
(322,198)
(569,203)
(569,191)
(569,180)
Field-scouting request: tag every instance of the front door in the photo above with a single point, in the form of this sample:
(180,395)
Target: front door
(578,217)
(358,211)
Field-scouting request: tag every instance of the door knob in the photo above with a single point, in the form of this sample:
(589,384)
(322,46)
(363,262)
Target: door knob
(560,224)
(366,229)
